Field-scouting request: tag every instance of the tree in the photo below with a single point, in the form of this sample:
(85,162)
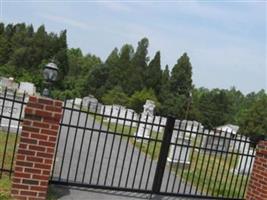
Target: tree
(181,76)
(153,74)
(115,96)
(138,99)
(215,108)
(138,67)
(253,120)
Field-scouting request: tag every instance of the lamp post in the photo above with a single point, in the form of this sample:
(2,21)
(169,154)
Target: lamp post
(50,75)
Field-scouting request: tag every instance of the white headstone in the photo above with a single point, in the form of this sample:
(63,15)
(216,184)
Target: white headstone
(10,109)
(245,163)
(27,87)
(147,116)
(179,153)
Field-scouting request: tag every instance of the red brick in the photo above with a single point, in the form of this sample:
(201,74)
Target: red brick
(42,166)
(57,116)
(19,169)
(58,103)
(53,108)
(26,122)
(40,177)
(38,136)
(20,186)
(21,157)
(32,117)
(50,150)
(39,188)
(35,159)
(43,113)
(37,148)
(44,183)
(51,120)
(32,99)
(22,175)
(28,193)
(41,124)
(54,127)
(18,197)
(46,172)
(25,134)
(26,152)
(24,164)
(35,105)
(49,132)
(48,161)
(28,141)
(23,146)
(29,111)
(32,170)
(30,129)
(14,191)
(45,155)
(52,139)
(16,180)
(48,144)
(45,101)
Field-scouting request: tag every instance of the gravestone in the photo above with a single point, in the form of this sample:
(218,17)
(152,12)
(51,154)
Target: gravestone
(179,151)
(216,140)
(245,163)
(10,109)
(118,114)
(147,116)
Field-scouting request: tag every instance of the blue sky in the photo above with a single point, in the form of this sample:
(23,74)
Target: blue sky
(225,40)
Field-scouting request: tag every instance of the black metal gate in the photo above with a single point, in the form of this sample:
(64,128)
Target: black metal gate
(12,106)
(111,148)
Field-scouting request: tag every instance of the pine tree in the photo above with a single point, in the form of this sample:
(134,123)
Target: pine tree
(181,76)
(138,67)
(153,74)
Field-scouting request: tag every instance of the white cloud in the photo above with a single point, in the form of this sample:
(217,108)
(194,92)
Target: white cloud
(67,21)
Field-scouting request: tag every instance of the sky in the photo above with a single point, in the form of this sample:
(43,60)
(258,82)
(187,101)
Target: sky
(225,40)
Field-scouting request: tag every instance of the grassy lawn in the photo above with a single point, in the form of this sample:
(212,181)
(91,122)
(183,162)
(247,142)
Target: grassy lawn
(151,148)
(211,174)
(7,151)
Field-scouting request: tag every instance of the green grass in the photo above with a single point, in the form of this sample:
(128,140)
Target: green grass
(211,173)
(151,148)
(206,172)
(5,185)
(8,149)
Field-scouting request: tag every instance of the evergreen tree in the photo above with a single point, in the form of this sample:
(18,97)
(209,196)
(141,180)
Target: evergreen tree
(153,74)
(138,67)
(181,76)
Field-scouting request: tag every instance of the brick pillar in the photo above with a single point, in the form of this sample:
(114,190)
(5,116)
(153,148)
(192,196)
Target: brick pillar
(36,148)
(257,188)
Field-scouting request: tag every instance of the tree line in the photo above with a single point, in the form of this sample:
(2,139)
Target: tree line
(127,77)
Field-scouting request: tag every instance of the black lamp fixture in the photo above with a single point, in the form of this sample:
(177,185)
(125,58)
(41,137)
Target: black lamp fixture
(50,75)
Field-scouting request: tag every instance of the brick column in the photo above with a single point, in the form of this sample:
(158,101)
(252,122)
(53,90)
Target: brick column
(257,188)
(36,148)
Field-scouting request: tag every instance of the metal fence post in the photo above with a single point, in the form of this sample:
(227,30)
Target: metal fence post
(163,155)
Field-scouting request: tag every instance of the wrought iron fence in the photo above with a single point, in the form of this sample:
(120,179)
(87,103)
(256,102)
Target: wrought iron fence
(118,149)
(11,113)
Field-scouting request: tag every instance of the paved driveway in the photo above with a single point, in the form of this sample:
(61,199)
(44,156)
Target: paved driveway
(95,157)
